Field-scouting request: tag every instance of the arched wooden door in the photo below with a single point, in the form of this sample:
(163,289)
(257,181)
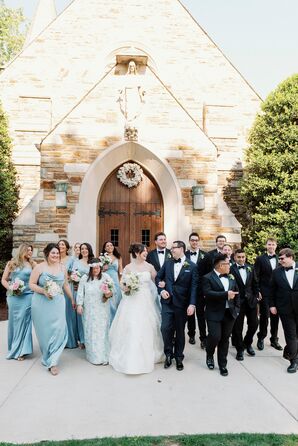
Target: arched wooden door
(129,215)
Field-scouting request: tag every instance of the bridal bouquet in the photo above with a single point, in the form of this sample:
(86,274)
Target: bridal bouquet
(130,282)
(16,288)
(52,288)
(75,276)
(106,287)
(105,259)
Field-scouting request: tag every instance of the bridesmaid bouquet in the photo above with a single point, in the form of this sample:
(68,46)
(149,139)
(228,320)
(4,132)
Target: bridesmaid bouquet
(105,259)
(75,276)
(106,287)
(130,282)
(16,288)
(52,288)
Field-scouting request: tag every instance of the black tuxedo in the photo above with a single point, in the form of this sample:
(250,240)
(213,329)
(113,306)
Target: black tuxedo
(220,316)
(262,274)
(206,266)
(285,299)
(200,256)
(152,258)
(248,293)
(183,292)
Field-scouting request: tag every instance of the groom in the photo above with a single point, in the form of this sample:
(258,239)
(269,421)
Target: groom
(178,300)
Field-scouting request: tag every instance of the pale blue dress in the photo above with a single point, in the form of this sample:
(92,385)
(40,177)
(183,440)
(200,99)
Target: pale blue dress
(71,316)
(19,317)
(96,320)
(49,321)
(83,269)
(112,271)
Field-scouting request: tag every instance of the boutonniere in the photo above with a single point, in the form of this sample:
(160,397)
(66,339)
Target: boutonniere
(202,255)
(249,269)
(296,270)
(185,264)
(230,276)
(169,256)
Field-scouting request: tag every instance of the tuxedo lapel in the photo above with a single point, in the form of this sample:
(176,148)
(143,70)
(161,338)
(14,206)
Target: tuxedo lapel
(295,276)
(217,280)
(284,277)
(156,258)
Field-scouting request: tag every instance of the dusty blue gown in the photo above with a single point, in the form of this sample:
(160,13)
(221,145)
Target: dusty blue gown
(49,321)
(19,317)
(112,271)
(71,316)
(83,269)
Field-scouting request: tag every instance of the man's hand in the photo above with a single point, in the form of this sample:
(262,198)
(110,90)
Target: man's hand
(273,310)
(232,294)
(260,297)
(164,294)
(191,310)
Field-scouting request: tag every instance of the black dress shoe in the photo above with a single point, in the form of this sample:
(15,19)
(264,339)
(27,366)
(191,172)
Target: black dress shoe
(239,356)
(192,340)
(260,344)
(293,367)
(276,345)
(203,344)
(210,362)
(168,362)
(179,364)
(250,350)
(223,371)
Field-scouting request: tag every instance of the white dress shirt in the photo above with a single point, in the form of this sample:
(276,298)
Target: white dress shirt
(272,262)
(177,267)
(290,275)
(225,284)
(161,257)
(243,274)
(194,258)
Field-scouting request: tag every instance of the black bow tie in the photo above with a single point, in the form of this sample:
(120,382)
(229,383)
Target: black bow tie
(288,268)
(177,260)
(193,253)
(240,266)
(271,257)
(160,252)
(223,275)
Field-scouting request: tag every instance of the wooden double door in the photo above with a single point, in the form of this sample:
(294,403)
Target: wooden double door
(128,215)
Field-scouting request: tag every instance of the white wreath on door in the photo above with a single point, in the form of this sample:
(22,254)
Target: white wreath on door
(130,174)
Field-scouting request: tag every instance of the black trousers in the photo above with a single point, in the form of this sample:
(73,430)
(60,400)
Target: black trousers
(173,320)
(191,321)
(252,325)
(218,336)
(265,315)
(290,327)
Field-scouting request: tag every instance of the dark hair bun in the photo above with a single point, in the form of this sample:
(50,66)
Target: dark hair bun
(136,248)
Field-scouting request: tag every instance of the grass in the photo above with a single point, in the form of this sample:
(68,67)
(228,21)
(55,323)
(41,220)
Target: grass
(185,440)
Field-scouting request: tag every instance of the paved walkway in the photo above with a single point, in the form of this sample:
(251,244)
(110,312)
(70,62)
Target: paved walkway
(86,401)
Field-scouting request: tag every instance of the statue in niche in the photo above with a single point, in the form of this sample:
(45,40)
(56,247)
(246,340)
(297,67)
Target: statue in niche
(131,100)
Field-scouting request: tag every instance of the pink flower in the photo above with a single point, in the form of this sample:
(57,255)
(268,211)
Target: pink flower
(15,286)
(104,287)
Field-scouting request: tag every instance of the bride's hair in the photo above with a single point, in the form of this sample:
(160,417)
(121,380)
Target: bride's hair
(136,248)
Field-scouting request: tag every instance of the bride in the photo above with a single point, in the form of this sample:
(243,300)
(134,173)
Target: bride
(135,336)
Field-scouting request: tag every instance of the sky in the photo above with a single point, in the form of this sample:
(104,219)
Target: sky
(259,37)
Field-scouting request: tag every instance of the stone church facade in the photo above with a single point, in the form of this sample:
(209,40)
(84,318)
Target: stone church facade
(108,83)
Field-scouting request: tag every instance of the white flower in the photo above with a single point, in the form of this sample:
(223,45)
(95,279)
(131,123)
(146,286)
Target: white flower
(131,282)
(52,288)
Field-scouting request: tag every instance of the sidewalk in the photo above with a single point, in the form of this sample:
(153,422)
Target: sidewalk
(86,401)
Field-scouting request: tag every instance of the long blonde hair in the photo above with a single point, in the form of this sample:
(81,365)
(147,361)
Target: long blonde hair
(18,260)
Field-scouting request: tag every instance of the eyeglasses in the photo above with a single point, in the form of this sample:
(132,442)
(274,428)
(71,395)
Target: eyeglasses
(281,258)
(194,240)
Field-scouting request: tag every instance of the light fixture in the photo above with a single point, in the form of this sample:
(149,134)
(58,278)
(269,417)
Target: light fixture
(61,194)
(198,199)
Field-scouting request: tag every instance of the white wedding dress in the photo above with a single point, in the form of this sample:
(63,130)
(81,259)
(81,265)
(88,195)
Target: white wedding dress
(135,336)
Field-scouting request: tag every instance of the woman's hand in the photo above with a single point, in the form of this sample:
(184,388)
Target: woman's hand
(105,267)
(73,304)
(109,294)
(80,309)
(161,284)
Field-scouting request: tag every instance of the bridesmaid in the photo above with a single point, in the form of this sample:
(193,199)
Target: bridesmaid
(19,306)
(76,249)
(114,270)
(92,303)
(71,317)
(48,280)
(81,265)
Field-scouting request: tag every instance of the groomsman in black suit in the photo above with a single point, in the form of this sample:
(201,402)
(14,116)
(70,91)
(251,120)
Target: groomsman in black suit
(248,293)
(284,301)
(178,300)
(196,255)
(264,266)
(158,256)
(205,266)
(222,308)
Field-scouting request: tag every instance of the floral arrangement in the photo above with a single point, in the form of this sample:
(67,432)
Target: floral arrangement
(106,287)
(52,288)
(230,276)
(130,282)
(16,288)
(249,269)
(169,256)
(185,264)
(105,259)
(75,276)
(130,174)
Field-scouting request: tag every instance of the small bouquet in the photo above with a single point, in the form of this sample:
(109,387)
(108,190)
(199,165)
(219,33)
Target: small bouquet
(105,259)
(75,276)
(131,282)
(52,288)
(16,288)
(106,287)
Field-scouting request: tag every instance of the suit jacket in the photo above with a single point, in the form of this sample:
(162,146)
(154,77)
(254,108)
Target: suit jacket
(200,256)
(216,297)
(183,290)
(206,265)
(263,274)
(152,258)
(248,292)
(282,296)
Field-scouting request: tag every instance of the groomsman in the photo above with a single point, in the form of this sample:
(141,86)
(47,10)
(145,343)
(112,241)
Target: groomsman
(207,263)
(158,256)
(222,308)
(264,266)
(196,255)
(248,293)
(178,300)
(284,301)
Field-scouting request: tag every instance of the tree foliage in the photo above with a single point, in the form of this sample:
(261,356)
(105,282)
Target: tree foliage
(270,184)
(8,191)
(11,34)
